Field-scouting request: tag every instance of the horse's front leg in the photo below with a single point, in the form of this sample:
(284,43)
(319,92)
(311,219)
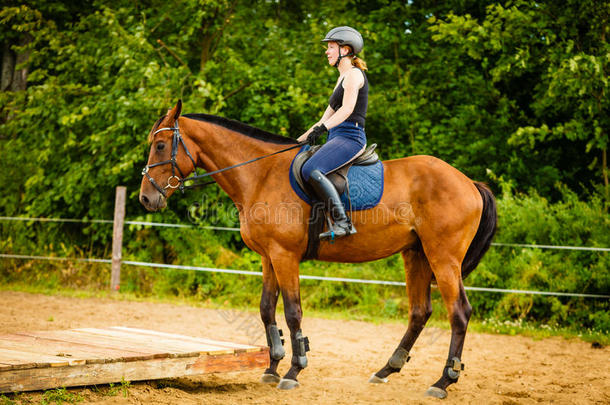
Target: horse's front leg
(286,267)
(274,335)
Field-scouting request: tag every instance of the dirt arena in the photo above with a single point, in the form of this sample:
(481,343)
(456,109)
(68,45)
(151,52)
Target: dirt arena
(499,369)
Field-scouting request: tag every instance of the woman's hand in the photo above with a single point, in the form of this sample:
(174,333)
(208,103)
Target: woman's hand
(303,137)
(315,133)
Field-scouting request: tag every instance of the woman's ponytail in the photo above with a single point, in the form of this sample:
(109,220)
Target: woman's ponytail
(359,63)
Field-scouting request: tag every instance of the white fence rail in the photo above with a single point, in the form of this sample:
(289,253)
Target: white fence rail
(302,276)
(117,254)
(224,228)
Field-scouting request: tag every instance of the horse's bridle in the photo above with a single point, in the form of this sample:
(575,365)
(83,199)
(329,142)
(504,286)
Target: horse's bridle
(176,141)
(179,181)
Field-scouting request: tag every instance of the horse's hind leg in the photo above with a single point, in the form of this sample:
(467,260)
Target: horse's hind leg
(418,276)
(274,335)
(449,280)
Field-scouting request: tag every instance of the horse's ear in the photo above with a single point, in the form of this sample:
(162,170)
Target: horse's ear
(174,113)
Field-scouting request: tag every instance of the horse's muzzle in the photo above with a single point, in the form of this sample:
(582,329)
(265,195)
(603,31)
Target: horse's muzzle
(152,201)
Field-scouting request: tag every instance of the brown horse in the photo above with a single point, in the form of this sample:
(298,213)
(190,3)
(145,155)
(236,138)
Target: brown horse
(437,218)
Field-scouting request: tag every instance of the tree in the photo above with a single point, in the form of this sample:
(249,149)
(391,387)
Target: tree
(574,101)
(545,74)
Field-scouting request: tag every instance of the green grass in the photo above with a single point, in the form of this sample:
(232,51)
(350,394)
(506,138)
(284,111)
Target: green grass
(121,388)
(4,400)
(60,396)
(538,331)
(438,319)
(48,397)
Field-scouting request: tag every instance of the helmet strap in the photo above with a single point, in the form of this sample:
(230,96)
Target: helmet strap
(342,56)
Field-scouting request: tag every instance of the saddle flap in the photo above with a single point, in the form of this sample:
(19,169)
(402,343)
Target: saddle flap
(368,157)
(297,165)
(338,176)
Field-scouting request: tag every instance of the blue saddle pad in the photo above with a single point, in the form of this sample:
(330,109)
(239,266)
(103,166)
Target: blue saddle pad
(365,186)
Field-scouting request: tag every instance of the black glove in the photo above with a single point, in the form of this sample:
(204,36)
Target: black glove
(315,133)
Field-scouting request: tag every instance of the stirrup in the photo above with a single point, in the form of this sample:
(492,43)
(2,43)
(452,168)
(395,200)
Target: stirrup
(337,231)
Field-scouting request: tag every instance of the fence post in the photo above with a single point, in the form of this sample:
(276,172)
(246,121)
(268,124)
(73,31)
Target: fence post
(117,238)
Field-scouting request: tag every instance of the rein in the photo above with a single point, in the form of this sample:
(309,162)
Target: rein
(177,139)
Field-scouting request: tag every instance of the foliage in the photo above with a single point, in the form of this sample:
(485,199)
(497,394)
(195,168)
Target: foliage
(533,219)
(479,85)
(514,93)
(60,396)
(543,77)
(122,388)
(6,401)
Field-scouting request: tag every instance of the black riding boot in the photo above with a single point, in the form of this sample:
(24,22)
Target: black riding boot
(325,190)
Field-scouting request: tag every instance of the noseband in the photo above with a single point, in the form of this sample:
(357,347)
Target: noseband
(173,181)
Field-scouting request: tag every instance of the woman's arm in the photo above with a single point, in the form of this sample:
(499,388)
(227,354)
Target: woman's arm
(352,83)
(327,114)
(354,80)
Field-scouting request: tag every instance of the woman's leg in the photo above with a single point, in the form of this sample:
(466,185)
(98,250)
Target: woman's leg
(334,154)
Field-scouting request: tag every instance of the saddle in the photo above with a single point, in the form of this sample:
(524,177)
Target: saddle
(338,176)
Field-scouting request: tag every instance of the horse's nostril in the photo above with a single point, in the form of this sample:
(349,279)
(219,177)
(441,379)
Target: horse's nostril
(144,199)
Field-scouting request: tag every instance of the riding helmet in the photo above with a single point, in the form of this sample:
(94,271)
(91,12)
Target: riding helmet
(345,36)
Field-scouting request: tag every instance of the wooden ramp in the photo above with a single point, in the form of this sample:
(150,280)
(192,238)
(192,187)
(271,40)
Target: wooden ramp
(50,359)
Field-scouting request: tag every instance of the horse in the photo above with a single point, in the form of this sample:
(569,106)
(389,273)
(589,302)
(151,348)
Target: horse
(439,220)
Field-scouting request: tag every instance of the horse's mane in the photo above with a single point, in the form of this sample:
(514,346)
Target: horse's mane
(233,125)
(242,128)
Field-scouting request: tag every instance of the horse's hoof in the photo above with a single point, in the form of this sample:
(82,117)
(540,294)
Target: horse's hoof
(270,378)
(288,384)
(436,393)
(376,380)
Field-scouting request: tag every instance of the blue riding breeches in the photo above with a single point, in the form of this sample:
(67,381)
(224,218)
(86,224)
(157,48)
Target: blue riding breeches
(345,142)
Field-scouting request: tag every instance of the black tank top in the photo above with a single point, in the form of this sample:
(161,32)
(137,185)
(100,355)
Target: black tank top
(359,114)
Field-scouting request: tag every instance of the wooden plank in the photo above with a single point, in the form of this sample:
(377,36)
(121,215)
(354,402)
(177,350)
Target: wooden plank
(90,374)
(70,350)
(50,359)
(158,341)
(153,343)
(227,362)
(154,346)
(15,357)
(88,339)
(247,348)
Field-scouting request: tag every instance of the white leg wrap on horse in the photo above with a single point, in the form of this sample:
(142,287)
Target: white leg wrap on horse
(275,342)
(300,346)
(454,366)
(399,358)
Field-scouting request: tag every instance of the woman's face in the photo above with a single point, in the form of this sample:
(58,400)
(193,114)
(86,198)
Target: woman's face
(332,52)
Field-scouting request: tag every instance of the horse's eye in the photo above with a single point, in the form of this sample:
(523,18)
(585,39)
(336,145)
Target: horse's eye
(160,146)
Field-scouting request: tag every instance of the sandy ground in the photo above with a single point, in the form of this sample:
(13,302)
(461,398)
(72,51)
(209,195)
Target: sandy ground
(499,369)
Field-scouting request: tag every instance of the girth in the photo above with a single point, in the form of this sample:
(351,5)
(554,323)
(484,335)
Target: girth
(338,176)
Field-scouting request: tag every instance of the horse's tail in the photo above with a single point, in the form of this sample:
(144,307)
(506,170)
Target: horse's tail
(485,233)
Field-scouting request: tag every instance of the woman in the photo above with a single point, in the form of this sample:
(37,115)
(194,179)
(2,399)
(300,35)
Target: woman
(344,120)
